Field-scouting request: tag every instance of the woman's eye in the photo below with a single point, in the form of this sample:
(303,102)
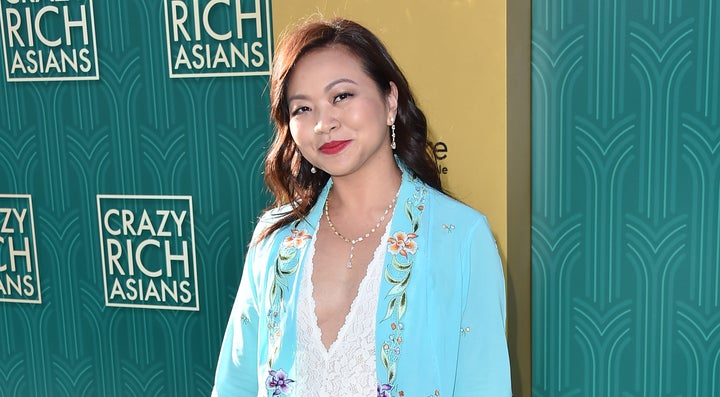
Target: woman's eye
(299,110)
(342,96)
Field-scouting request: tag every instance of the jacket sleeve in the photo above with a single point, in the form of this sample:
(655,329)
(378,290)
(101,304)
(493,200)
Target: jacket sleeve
(237,368)
(483,367)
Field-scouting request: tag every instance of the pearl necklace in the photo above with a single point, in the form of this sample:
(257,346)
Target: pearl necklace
(352,242)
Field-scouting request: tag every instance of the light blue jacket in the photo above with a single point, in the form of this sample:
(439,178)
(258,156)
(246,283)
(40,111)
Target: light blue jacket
(441,312)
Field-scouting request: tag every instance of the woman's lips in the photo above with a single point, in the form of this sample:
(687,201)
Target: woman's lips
(333,147)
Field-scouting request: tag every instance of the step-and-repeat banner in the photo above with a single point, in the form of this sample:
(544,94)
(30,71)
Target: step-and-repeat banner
(131,141)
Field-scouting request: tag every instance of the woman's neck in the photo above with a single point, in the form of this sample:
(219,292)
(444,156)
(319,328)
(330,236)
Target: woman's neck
(362,194)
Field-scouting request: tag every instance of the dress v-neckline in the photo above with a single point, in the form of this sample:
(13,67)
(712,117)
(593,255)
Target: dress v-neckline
(362,289)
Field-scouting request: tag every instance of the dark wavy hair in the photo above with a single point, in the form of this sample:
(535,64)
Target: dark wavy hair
(287,173)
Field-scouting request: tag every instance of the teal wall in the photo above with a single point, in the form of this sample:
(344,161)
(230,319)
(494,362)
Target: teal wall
(626,198)
(122,127)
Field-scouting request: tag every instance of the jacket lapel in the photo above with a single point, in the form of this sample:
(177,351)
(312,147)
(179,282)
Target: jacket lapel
(292,244)
(404,245)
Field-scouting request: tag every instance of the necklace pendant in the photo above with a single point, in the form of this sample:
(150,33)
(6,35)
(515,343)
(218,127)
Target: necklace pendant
(348,264)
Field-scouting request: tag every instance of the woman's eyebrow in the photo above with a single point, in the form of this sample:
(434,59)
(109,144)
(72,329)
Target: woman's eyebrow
(338,81)
(327,88)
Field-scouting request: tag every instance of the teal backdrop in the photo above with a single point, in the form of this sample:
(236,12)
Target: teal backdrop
(626,198)
(127,197)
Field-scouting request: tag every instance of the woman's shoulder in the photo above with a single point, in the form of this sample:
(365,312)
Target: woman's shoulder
(447,206)
(268,218)
(460,228)
(272,215)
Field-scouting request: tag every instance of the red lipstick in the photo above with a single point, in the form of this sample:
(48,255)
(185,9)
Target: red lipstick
(334,147)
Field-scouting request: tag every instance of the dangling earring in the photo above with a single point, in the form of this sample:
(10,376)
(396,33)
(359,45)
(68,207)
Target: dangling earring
(313,170)
(392,144)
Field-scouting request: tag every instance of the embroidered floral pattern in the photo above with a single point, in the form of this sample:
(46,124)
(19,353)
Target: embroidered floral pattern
(278,383)
(383,390)
(296,239)
(286,264)
(402,243)
(403,247)
(391,348)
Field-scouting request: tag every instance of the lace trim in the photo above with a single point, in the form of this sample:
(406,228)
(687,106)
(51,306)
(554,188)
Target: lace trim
(348,366)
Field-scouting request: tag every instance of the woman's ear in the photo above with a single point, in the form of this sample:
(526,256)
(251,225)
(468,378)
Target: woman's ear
(392,103)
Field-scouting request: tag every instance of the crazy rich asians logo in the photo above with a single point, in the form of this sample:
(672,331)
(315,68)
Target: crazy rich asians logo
(218,37)
(148,251)
(48,40)
(19,280)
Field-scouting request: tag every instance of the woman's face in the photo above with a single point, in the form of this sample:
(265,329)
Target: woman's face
(338,117)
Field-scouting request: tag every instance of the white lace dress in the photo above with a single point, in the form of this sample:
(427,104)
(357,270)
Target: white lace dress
(348,367)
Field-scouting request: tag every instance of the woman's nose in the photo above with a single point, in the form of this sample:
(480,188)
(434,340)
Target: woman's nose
(326,122)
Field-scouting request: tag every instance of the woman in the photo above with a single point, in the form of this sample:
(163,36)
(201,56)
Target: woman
(364,277)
